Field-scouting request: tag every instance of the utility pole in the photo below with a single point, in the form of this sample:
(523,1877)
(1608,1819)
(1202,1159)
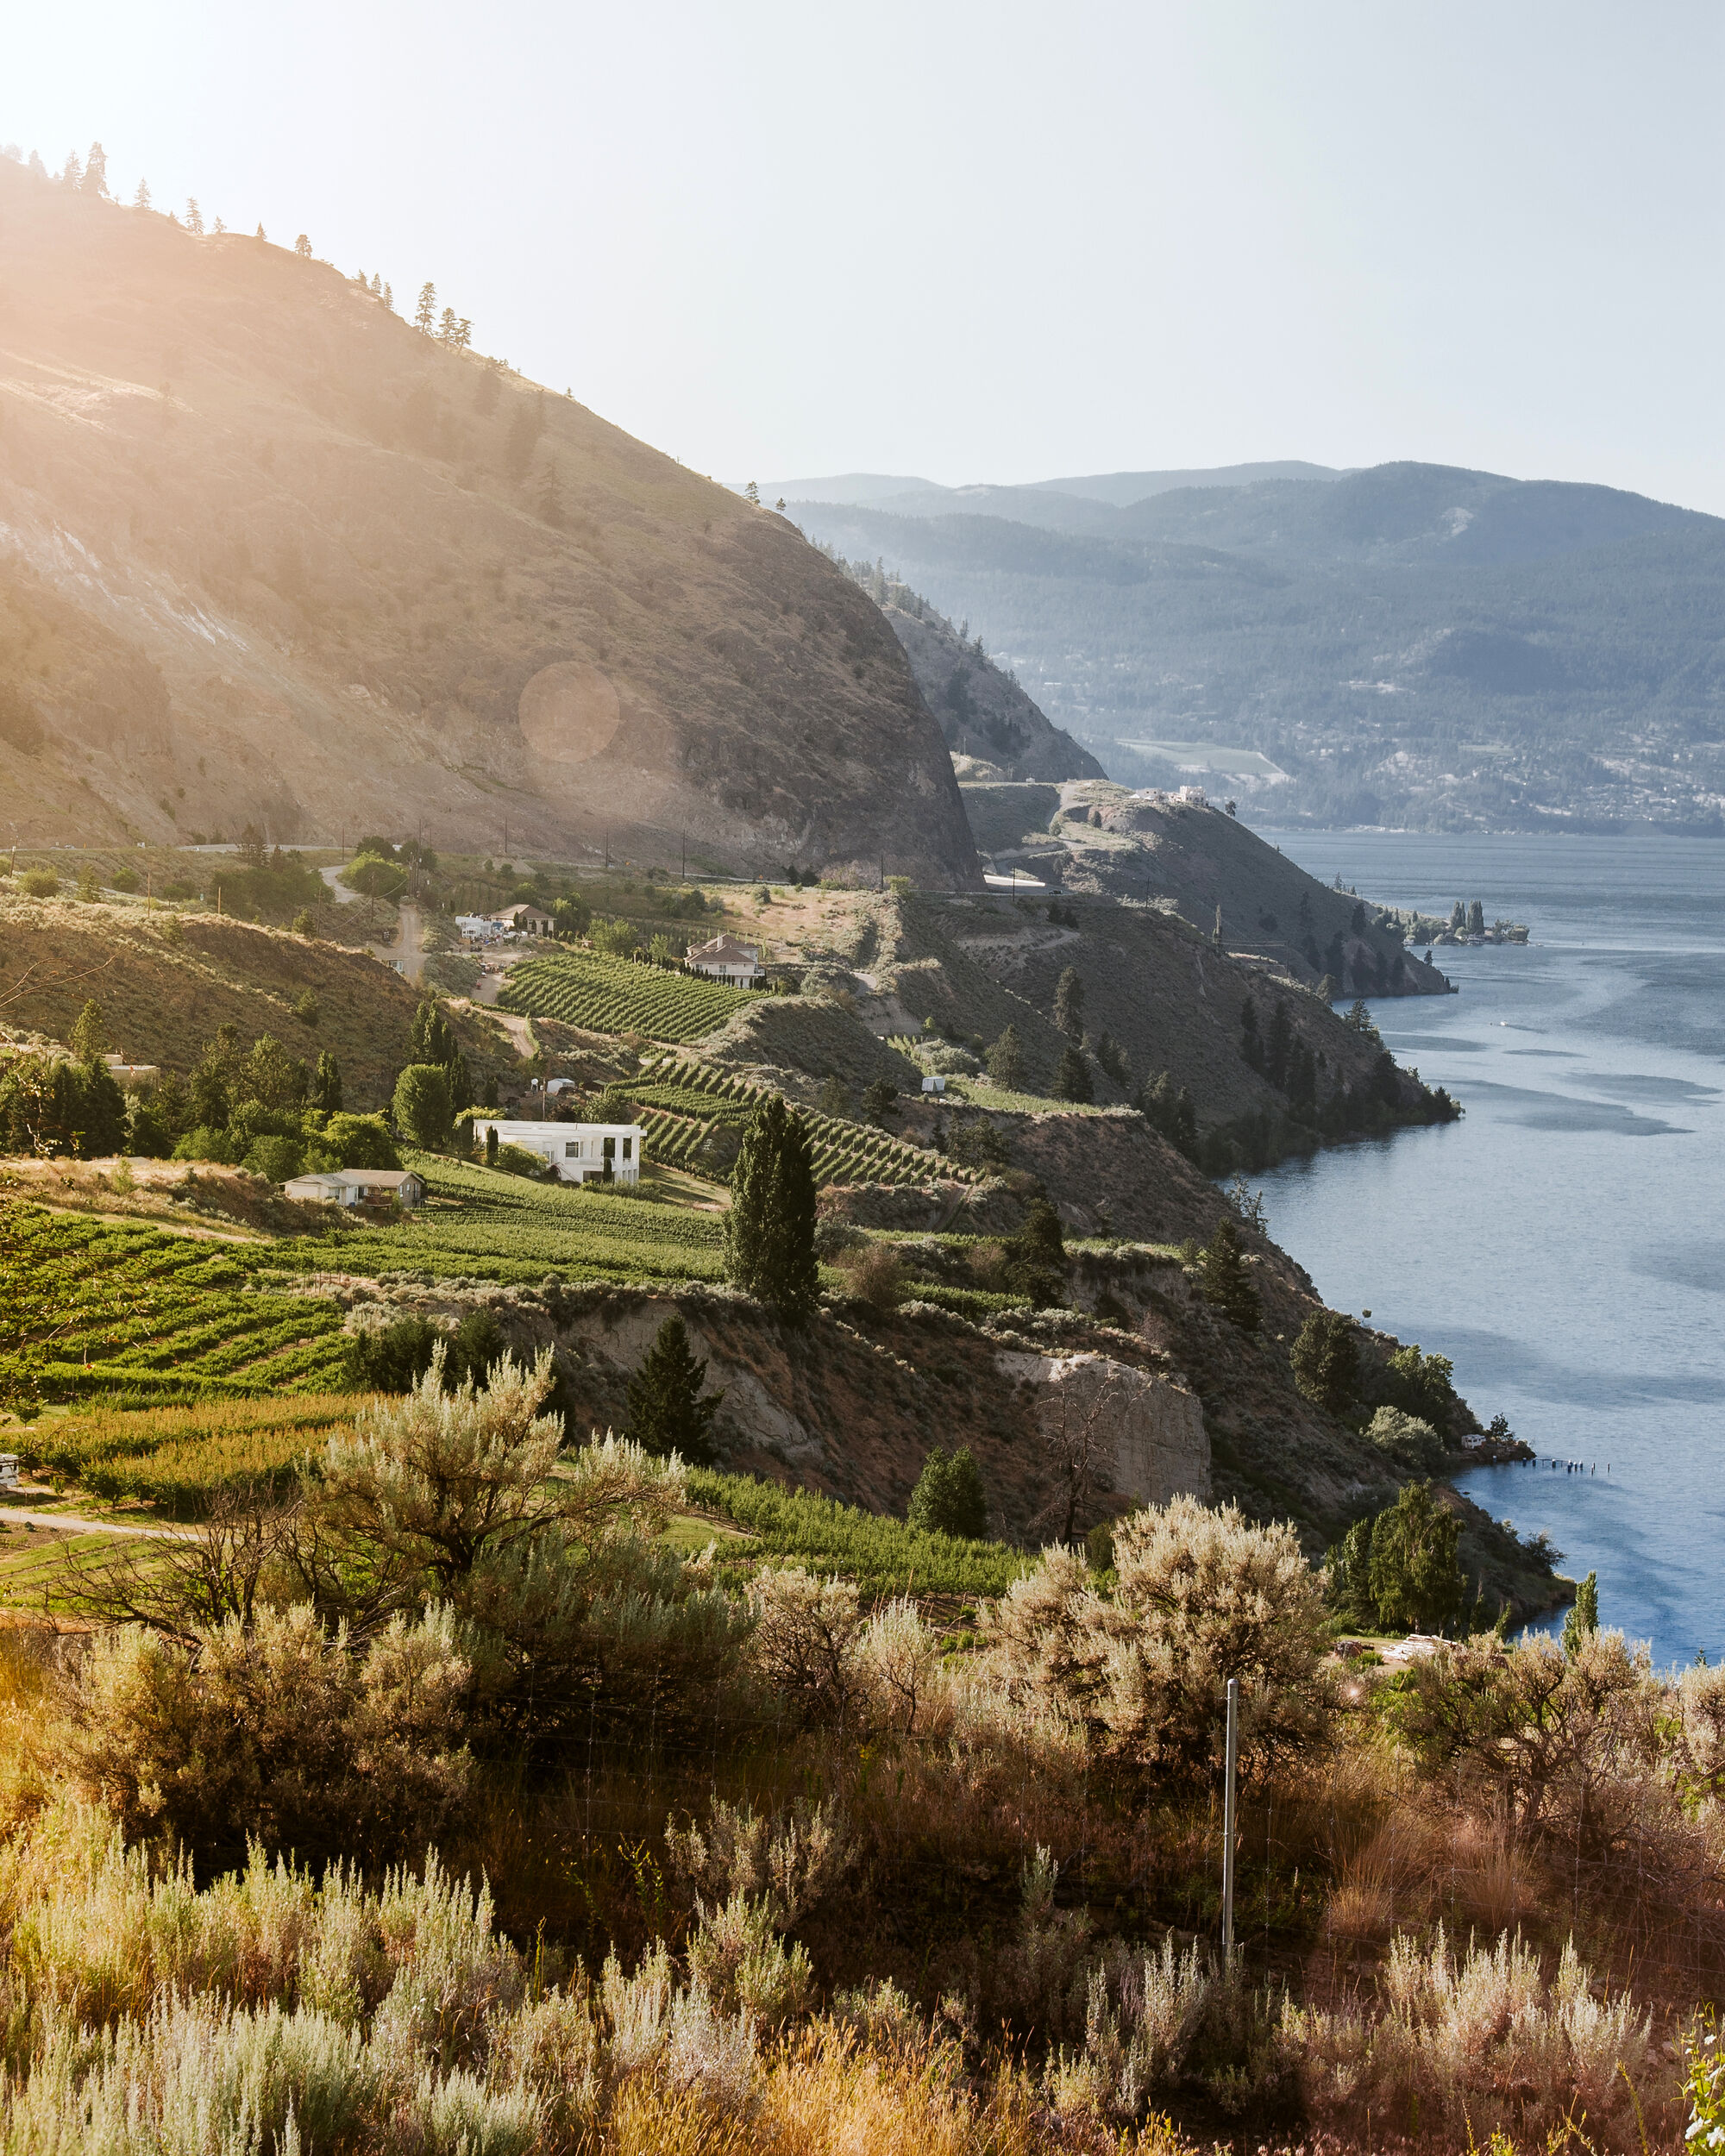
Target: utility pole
(1229,1829)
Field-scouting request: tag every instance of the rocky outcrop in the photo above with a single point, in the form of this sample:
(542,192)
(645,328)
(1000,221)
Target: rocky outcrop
(1134,1433)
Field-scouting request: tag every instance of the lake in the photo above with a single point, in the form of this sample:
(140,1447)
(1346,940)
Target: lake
(1565,1242)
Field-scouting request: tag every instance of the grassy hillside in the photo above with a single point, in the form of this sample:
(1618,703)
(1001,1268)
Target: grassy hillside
(275,555)
(1412,644)
(166,982)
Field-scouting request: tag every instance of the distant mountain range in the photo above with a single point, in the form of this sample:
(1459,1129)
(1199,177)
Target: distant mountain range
(1411,644)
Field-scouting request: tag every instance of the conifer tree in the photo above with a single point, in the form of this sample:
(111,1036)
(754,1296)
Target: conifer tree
(218,226)
(1006,1063)
(551,500)
(194,215)
(425,316)
(752,493)
(491,1146)
(464,334)
(1069,1004)
(667,1412)
(376,286)
(1277,1048)
(72,175)
(389,298)
(769,1231)
(1072,1078)
(141,200)
(1227,1284)
(262,234)
(1251,1048)
(301,247)
(1476,919)
(448,326)
(96,171)
(90,1036)
(326,1085)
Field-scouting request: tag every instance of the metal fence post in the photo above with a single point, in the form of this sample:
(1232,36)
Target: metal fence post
(1228,1823)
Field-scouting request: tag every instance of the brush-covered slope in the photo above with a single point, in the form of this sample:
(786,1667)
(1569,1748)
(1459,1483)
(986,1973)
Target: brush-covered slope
(1100,838)
(165,982)
(268,553)
(993,728)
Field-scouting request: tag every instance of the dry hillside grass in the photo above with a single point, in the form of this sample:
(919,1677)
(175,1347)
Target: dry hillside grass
(162,1000)
(273,552)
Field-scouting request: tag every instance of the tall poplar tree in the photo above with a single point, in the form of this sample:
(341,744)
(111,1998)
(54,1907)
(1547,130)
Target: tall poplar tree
(769,1231)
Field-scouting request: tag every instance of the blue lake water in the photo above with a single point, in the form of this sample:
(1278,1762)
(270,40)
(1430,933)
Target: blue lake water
(1565,1242)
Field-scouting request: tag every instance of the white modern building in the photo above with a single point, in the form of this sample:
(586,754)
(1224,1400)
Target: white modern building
(725,958)
(580,1152)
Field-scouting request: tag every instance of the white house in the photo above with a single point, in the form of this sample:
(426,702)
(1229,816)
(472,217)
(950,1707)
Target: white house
(579,1151)
(725,958)
(360,1187)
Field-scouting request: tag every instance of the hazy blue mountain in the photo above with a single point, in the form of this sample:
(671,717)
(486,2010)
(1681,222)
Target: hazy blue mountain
(1414,643)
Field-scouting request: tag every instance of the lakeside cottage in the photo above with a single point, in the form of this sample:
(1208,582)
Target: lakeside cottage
(725,958)
(579,1152)
(380,1187)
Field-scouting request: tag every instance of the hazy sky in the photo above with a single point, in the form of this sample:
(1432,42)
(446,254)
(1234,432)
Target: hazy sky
(1001,241)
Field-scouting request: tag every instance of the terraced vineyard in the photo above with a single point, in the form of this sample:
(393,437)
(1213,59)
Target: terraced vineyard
(176,1457)
(882,1554)
(480,1224)
(620,995)
(90,1307)
(683,1100)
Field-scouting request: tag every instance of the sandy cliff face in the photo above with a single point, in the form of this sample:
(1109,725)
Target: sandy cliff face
(266,552)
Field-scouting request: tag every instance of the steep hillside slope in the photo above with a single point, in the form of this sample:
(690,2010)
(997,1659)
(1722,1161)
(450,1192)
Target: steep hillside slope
(952,974)
(1414,643)
(986,718)
(1210,867)
(269,552)
(166,982)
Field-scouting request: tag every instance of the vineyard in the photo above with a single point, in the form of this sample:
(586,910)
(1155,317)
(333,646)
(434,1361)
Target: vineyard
(882,1555)
(620,995)
(683,1100)
(177,1457)
(90,1307)
(480,1223)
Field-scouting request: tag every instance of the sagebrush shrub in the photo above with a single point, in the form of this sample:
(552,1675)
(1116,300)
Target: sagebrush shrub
(1201,1596)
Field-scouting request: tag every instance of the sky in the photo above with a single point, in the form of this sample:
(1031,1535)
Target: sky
(999,242)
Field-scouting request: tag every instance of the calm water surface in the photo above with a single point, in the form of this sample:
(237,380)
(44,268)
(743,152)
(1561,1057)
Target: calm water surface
(1564,1243)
